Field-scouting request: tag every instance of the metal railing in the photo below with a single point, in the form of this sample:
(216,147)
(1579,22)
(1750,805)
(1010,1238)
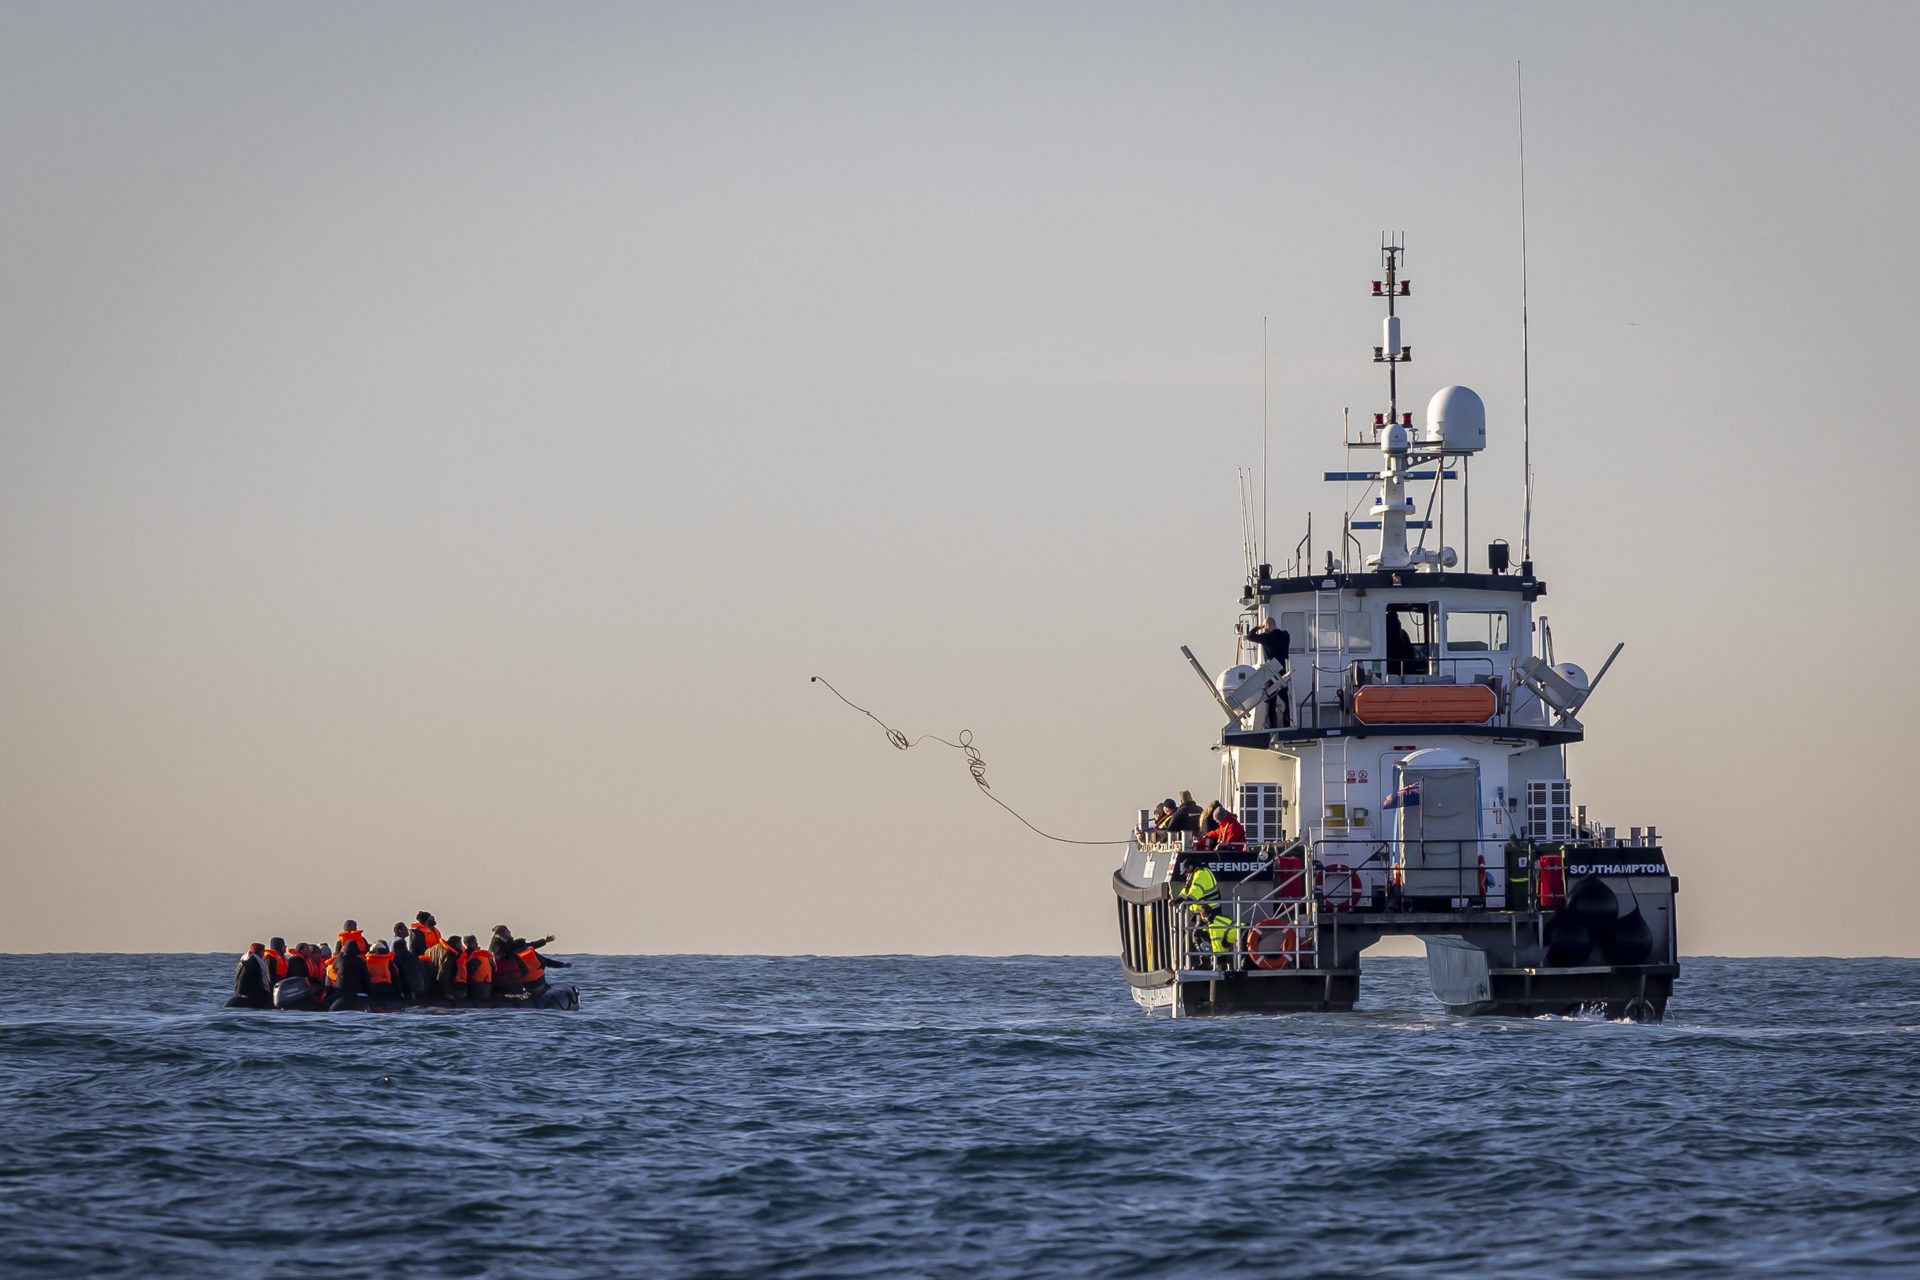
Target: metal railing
(1314,885)
(1330,705)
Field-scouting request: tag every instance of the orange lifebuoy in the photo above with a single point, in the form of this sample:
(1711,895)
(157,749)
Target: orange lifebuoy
(1288,942)
(1340,887)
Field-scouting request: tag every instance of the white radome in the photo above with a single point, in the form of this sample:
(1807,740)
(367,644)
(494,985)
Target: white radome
(1456,420)
(1230,680)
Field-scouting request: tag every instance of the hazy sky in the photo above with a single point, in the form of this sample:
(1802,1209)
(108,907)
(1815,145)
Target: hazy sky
(437,443)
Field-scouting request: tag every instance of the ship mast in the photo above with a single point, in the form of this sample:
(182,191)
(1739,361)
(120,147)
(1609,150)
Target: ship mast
(1394,504)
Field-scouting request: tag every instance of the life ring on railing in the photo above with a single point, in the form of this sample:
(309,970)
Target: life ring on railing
(1276,944)
(1340,886)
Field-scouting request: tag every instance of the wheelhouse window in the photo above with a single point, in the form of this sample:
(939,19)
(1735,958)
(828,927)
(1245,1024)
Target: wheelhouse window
(1476,631)
(1409,640)
(1354,627)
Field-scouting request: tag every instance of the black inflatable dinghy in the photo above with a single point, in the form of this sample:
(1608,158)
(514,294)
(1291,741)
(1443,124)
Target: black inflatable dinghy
(301,995)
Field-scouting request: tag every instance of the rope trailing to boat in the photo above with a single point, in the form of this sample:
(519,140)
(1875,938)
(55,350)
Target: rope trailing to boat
(976,764)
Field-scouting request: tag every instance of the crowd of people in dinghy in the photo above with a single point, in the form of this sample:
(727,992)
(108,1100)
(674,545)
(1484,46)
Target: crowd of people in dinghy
(420,965)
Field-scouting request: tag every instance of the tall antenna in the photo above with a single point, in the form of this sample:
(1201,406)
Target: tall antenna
(1526,427)
(1266,473)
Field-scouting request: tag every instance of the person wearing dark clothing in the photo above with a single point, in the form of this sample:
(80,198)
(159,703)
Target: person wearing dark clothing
(352,968)
(518,964)
(1404,657)
(1186,815)
(415,970)
(297,963)
(403,965)
(442,957)
(250,989)
(1275,645)
(534,965)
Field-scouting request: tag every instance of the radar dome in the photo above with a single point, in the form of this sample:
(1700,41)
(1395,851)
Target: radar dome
(1456,420)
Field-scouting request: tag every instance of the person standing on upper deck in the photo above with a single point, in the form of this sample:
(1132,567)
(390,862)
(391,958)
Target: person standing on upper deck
(1275,645)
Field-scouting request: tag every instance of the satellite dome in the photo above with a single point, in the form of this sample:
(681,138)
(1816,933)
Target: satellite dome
(1573,675)
(1456,420)
(1228,682)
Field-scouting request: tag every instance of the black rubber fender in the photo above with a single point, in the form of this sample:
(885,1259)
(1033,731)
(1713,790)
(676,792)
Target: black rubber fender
(1568,941)
(1593,904)
(1630,941)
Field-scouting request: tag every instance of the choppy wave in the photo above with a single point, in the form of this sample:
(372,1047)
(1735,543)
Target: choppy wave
(950,1116)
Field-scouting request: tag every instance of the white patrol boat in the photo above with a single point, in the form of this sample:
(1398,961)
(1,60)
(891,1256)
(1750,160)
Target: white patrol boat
(1399,763)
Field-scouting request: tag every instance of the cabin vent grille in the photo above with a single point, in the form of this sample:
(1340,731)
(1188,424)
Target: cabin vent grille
(1550,810)
(1260,810)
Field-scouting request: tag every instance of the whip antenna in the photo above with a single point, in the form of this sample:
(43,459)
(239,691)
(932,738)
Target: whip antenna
(1526,427)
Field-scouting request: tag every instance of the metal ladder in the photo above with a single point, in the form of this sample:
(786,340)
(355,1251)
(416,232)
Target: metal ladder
(1329,670)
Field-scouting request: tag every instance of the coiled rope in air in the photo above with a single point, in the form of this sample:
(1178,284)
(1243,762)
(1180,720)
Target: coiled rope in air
(976,765)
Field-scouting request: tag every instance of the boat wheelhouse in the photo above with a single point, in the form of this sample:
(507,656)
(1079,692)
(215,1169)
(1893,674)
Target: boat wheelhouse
(1398,761)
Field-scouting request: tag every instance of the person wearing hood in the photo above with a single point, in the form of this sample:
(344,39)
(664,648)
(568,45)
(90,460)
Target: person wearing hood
(506,965)
(251,987)
(296,964)
(380,964)
(350,975)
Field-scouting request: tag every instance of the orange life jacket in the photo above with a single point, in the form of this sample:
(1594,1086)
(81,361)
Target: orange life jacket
(432,934)
(380,967)
(354,936)
(530,962)
(279,963)
(333,971)
(480,966)
(459,966)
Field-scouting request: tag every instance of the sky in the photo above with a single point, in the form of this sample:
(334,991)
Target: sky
(438,443)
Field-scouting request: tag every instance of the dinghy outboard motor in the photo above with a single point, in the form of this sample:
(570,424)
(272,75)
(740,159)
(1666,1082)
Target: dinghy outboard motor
(293,993)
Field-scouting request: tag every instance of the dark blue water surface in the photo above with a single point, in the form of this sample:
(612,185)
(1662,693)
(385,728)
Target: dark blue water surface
(896,1116)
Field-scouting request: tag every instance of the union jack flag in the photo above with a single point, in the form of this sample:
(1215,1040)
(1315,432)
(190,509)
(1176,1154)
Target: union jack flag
(1405,798)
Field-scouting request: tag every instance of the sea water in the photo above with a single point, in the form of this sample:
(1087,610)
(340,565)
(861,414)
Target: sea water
(759,1117)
